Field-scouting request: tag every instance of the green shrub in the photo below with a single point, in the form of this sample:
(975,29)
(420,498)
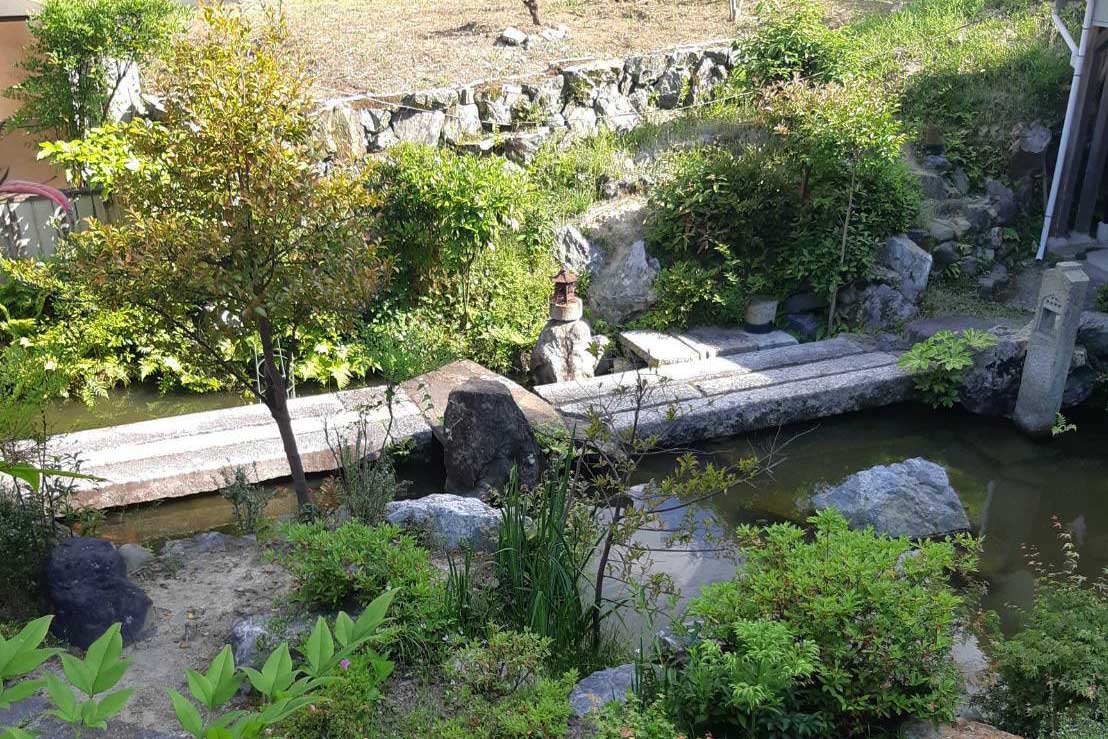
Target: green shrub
(631,720)
(1053,672)
(1102,299)
(540,711)
(76,58)
(689,293)
(792,40)
(500,665)
(940,362)
(349,565)
(468,241)
(569,178)
(751,688)
(349,704)
(882,621)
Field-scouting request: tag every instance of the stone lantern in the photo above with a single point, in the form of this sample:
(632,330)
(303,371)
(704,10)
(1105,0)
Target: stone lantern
(564,304)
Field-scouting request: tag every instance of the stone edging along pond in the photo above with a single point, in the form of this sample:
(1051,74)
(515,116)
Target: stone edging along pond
(515,117)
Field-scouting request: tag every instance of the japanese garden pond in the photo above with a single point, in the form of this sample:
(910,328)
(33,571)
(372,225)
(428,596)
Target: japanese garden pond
(1012,487)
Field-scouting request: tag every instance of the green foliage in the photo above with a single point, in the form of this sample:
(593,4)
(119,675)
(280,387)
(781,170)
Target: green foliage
(939,363)
(347,566)
(1053,671)
(569,178)
(366,482)
(539,711)
(247,501)
(792,40)
(349,704)
(466,241)
(500,665)
(631,720)
(688,293)
(752,688)
(79,55)
(20,655)
(101,670)
(285,690)
(882,622)
(1102,299)
(968,71)
(540,567)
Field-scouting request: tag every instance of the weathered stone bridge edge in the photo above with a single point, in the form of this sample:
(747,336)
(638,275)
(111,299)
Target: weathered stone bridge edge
(514,117)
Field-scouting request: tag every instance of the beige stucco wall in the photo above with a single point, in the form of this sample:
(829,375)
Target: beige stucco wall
(17,149)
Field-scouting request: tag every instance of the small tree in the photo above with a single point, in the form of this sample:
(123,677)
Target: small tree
(82,52)
(231,233)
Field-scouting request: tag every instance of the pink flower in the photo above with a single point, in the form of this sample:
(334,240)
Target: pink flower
(345,664)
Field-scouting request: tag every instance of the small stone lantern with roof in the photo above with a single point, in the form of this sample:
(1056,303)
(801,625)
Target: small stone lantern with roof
(564,304)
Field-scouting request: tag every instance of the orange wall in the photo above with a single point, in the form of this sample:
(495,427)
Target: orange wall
(17,149)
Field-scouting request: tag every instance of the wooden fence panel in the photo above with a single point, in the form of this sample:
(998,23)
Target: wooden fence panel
(29,225)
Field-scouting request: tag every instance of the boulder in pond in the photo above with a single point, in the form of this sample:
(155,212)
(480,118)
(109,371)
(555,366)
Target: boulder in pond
(486,436)
(88,591)
(990,386)
(599,688)
(912,498)
(451,521)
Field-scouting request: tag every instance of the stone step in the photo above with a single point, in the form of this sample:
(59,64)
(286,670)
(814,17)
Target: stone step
(666,394)
(564,393)
(768,406)
(185,455)
(659,349)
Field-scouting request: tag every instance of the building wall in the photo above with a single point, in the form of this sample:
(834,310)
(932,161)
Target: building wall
(17,149)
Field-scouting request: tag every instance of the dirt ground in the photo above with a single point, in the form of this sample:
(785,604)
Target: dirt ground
(376,46)
(199,587)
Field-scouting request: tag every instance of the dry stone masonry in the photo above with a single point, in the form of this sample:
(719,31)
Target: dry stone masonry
(515,118)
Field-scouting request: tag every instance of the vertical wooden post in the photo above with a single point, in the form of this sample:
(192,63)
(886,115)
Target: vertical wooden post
(1094,170)
(1075,147)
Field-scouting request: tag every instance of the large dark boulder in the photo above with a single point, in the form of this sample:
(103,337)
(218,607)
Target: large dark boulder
(486,436)
(912,498)
(990,386)
(87,586)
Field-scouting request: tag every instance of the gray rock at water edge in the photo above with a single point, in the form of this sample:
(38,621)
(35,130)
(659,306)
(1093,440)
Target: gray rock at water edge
(602,687)
(1080,386)
(990,386)
(565,351)
(135,556)
(486,436)
(208,541)
(912,498)
(1092,333)
(88,591)
(924,328)
(622,284)
(452,522)
(911,264)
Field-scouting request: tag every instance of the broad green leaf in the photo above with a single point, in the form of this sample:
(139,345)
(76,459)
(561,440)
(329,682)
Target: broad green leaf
(77,673)
(321,646)
(187,715)
(62,698)
(201,688)
(19,691)
(112,704)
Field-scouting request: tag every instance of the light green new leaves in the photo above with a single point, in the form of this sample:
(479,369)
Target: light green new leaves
(19,656)
(100,670)
(320,650)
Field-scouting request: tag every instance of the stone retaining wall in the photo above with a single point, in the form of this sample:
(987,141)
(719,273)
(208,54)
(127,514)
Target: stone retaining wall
(515,118)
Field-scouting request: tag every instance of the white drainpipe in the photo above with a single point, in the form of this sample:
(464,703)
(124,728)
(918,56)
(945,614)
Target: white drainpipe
(1077,59)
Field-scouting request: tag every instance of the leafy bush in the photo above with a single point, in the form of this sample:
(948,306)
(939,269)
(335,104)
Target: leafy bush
(500,665)
(631,720)
(792,40)
(540,711)
(468,242)
(570,178)
(882,623)
(347,566)
(939,363)
(80,53)
(1053,671)
(688,293)
(752,689)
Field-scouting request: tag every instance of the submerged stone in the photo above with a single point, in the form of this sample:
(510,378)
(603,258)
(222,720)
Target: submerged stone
(602,687)
(912,498)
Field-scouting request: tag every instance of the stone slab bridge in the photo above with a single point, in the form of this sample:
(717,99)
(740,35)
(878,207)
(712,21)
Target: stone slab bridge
(722,386)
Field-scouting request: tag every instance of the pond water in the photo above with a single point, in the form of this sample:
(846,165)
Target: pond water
(1011,486)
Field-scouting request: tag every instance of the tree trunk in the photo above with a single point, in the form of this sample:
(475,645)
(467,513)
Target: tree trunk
(276,399)
(533,9)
